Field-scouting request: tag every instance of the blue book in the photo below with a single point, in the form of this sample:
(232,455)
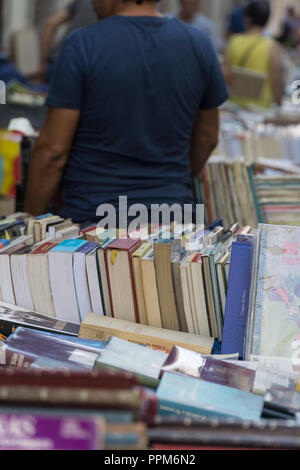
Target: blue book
(43,216)
(68,246)
(85,342)
(182,396)
(237,303)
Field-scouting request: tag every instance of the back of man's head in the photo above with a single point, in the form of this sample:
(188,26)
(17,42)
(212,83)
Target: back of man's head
(257,13)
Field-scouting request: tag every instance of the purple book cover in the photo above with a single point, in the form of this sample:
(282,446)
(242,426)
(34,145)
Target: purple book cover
(37,432)
(190,363)
(87,248)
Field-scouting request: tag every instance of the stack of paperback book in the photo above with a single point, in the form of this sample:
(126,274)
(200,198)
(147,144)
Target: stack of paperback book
(227,189)
(173,281)
(279,197)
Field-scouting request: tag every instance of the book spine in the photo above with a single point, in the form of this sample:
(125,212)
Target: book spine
(64,396)
(11,357)
(109,286)
(142,380)
(133,287)
(139,338)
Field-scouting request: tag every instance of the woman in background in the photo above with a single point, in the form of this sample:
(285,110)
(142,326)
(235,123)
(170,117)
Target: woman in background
(255,51)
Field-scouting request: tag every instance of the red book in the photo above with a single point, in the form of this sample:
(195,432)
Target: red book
(118,256)
(45,248)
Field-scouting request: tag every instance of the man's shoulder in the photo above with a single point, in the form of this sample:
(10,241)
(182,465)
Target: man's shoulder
(193,32)
(90,30)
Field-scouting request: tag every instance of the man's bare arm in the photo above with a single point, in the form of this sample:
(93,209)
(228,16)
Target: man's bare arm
(205,139)
(50,29)
(49,158)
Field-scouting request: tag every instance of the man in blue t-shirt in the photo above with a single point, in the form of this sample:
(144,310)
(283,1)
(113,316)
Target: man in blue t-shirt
(133,111)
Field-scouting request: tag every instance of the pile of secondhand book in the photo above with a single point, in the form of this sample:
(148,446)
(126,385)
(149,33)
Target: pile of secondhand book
(257,161)
(111,380)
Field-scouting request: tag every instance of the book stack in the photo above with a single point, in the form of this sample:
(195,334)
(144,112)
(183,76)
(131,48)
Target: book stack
(279,197)
(227,190)
(73,410)
(177,283)
(222,434)
(259,135)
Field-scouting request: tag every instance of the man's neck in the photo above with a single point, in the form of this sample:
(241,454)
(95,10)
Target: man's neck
(133,9)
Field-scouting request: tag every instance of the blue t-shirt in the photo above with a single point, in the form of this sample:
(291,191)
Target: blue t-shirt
(139,83)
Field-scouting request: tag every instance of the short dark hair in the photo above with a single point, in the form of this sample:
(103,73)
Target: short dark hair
(258,12)
(139,2)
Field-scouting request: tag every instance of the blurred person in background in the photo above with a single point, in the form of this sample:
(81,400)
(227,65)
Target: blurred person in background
(292,26)
(236,23)
(78,13)
(190,12)
(256,52)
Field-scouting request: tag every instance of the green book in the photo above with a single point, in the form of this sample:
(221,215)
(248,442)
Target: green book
(144,362)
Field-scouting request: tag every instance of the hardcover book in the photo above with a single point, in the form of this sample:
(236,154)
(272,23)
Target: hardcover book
(183,396)
(237,303)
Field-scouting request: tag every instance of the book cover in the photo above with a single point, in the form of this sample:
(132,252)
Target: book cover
(27,345)
(183,396)
(12,317)
(28,432)
(237,303)
(144,362)
(102,328)
(183,361)
(276,322)
(68,246)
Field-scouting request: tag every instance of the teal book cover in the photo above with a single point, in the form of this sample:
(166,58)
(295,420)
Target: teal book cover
(250,171)
(144,362)
(182,396)
(68,246)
